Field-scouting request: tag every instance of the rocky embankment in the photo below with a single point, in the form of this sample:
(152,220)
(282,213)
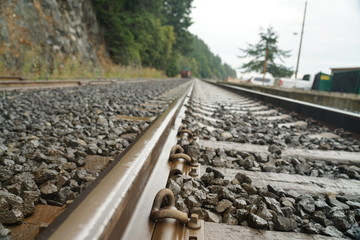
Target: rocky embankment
(43,32)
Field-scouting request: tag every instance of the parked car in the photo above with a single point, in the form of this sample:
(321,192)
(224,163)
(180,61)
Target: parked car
(305,83)
(267,81)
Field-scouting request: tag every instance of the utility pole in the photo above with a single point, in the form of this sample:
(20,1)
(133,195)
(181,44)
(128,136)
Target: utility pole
(301,37)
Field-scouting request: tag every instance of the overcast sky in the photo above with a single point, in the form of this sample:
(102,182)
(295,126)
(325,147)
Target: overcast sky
(331,35)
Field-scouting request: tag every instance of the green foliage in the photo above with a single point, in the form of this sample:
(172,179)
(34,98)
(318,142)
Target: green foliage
(265,52)
(177,14)
(279,71)
(155,34)
(207,64)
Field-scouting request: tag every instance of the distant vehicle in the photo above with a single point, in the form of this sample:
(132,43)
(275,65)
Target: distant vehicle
(185,73)
(305,83)
(268,81)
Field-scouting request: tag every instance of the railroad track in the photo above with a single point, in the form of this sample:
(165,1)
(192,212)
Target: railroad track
(19,83)
(250,169)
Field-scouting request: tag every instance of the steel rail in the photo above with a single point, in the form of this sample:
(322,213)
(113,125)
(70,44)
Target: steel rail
(337,118)
(24,84)
(30,84)
(118,203)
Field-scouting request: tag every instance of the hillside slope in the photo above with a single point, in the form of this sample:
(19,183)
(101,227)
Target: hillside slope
(49,33)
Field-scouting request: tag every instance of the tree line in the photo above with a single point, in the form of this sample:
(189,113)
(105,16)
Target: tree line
(154,33)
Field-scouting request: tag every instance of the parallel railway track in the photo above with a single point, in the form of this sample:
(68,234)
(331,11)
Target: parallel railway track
(250,169)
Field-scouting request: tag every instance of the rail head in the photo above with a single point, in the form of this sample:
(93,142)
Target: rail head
(334,117)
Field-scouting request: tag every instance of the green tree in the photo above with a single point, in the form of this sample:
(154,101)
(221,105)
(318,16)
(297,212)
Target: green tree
(264,53)
(177,14)
(155,34)
(208,65)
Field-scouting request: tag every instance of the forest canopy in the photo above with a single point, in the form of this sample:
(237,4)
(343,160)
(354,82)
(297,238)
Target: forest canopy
(154,33)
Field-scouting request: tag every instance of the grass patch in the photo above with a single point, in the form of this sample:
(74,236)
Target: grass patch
(34,66)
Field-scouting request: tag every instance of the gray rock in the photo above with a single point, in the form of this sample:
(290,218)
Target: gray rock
(313,228)
(320,217)
(180,204)
(293,194)
(222,205)
(287,202)
(273,204)
(28,208)
(284,223)
(82,175)
(336,213)
(43,175)
(308,205)
(354,232)
(268,167)
(14,188)
(69,166)
(218,162)
(249,189)
(275,190)
(200,212)
(332,231)
(257,222)
(274,149)
(217,174)
(247,162)
(288,211)
(264,213)
(226,135)
(4,205)
(227,194)
(14,201)
(215,189)
(209,154)
(187,189)
(212,198)
(322,205)
(102,121)
(12,216)
(193,151)
(241,214)
(236,188)
(64,194)
(31,196)
(48,188)
(353,205)
(261,157)
(341,224)
(213,217)
(240,203)
(200,195)
(29,185)
(303,168)
(5,174)
(336,203)
(228,217)
(4,232)
(174,187)
(242,178)
(3,148)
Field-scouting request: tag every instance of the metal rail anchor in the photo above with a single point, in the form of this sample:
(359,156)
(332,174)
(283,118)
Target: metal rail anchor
(185,134)
(189,228)
(177,157)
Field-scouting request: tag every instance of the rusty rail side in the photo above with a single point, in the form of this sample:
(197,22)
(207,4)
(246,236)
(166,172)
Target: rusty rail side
(117,205)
